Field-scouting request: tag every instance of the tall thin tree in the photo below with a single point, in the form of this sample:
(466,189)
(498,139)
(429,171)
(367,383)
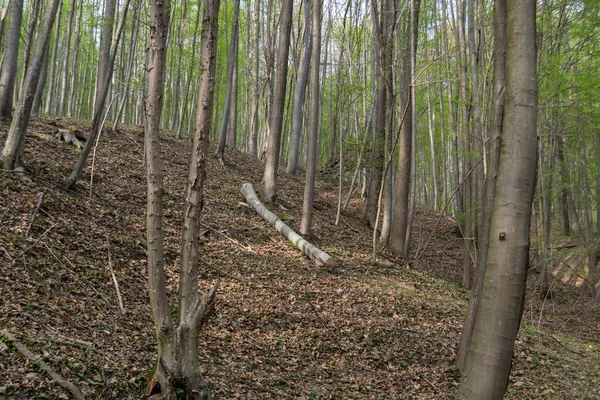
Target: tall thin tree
(498,317)
(177,369)
(276,121)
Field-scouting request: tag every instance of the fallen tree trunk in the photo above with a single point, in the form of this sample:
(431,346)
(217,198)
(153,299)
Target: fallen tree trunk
(314,253)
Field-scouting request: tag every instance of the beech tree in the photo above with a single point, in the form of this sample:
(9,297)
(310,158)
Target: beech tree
(300,92)
(276,119)
(105,71)
(8,74)
(177,370)
(313,128)
(231,63)
(15,142)
(498,316)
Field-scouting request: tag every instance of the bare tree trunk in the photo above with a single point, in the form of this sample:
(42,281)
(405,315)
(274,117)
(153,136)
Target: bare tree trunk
(15,142)
(300,92)
(233,114)
(313,127)
(8,75)
(564,184)
(75,64)
(230,70)
(493,154)
(104,53)
(399,236)
(276,121)
(177,367)
(39,92)
(128,78)
(498,317)
(189,78)
(50,95)
(176,114)
(378,145)
(65,67)
(100,99)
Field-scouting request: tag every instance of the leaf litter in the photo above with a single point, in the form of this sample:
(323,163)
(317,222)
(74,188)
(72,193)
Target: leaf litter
(283,328)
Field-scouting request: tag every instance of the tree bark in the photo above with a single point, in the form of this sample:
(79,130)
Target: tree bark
(499,314)
(65,67)
(15,142)
(106,76)
(313,127)
(493,154)
(253,140)
(233,54)
(398,236)
(300,92)
(177,368)
(8,75)
(276,120)
(311,251)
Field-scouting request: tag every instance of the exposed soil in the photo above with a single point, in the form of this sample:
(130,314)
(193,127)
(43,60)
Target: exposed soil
(283,327)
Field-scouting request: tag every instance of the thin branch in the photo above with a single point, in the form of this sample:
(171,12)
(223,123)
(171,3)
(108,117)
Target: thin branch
(38,360)
(34,212)
(33,245)
(114,278)
(205,306)
(418,256)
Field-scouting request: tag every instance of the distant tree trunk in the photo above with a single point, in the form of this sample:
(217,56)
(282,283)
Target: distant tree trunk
(313,123)
(466,213)
(276,120)
(430,126)
(66,53)
(8,74)
(39,92)
(378,148)
(128,78)
(387,71)
(189,78)
(493,154)
(253,140)
(564,184)
(498,317)
(233,53)
(399,235)
(300,93)
(175,107)
(233,114)
(15,142)
(50,95)
(32,24)
(100,100)
(75,64)
(177,368)
(104,54)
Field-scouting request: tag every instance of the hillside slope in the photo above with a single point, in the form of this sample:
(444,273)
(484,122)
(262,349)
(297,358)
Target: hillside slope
(283,328)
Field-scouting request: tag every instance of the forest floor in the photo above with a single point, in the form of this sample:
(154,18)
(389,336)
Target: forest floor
(283,327)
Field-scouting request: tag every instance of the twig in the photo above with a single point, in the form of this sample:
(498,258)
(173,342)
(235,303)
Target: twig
(36,359)
(81,344)
(121,307)
(75,274)
(247,248)
(565,347)
(276,288)
(6,253)
(35,244)
(34,212)
(418,256)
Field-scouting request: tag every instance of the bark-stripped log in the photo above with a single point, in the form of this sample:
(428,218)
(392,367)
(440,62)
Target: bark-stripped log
(314,253)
